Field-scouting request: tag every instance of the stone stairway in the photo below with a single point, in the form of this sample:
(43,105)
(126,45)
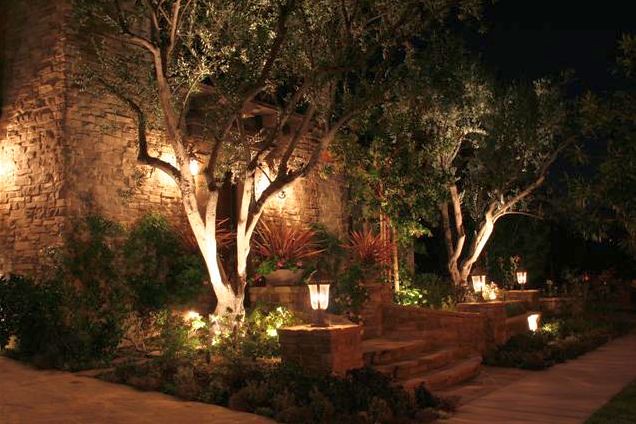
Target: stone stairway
(417,347)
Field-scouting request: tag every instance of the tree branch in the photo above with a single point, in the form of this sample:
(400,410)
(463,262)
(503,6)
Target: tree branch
(142,156)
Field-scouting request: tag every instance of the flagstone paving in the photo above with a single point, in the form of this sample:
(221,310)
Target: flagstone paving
(567,393)
(33,396)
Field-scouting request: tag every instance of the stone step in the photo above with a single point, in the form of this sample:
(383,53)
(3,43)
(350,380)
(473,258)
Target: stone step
(447,376)
(383,351)
(411,368)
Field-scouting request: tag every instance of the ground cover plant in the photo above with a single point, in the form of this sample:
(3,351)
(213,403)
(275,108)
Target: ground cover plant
(104,285)
(558,339)
(242,371)
(621,409)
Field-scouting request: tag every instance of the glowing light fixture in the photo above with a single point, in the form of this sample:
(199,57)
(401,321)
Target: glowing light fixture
(522,278)
(479,282)
(319,297)
(533,322)
(191,315)
(194,167)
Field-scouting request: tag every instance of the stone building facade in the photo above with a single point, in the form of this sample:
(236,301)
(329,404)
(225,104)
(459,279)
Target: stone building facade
(65,153)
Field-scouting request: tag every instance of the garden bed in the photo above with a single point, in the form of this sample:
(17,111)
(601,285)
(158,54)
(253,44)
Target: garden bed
(557,340)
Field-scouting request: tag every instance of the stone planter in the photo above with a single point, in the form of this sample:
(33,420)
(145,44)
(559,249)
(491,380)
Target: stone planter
(295,298)
(335,349)
(284,277)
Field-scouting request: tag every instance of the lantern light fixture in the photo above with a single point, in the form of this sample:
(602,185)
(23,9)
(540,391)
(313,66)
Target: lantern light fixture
(319,298)
(533,322)
(522,277)
(479,282)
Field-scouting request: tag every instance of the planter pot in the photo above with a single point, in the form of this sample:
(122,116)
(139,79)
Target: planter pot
(284,277)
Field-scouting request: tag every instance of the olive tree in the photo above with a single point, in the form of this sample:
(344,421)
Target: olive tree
(477,152)
(316,64)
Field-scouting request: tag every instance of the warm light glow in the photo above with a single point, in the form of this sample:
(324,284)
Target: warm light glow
(6,167)
(490,292)
(191,315)
(522,277)
(533,322)
(260,184)
(319,296)
(194,167)
(164,178)
(479,281)
(271,332)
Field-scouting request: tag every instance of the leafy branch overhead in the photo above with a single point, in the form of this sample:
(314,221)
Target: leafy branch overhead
(247,85)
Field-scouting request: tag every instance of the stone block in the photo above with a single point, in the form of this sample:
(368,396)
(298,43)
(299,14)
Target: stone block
(335,349)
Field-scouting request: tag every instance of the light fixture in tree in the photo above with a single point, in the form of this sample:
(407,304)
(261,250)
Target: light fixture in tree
(319,298)
(194,166)
(522,278)
(479,282)
(533,322)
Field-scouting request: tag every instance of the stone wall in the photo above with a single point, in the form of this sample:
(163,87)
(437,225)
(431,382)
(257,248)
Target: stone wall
(33,191)
(66,153)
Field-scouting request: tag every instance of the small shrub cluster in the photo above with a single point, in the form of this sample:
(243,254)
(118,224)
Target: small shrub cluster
(103,283)
(285,393)
(558,340)
(428,290)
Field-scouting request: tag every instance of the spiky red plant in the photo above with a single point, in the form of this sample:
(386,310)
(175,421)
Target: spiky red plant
(286,242)
(368,248)
(223,235)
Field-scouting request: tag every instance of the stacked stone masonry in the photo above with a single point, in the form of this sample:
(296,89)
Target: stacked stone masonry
(65,153)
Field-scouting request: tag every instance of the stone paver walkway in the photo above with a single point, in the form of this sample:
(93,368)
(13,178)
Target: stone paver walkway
(32,396)
(564,394)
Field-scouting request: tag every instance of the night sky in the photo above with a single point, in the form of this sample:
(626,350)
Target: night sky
(533,38)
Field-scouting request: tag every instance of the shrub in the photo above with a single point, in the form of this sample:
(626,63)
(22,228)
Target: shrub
(558,340)
(349,293)
(256,336)
(426,290)
(160,269)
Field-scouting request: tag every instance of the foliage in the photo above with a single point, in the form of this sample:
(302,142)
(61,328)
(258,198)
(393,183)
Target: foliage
(254,337)
(159,268)
(349,293)
(368,249)
(284,246)
(103,285)
(600,202)
(522,237)
(330,262)
(313,67)
(283,392)
(621,409)
(74,319)
(558,340)
(428,290)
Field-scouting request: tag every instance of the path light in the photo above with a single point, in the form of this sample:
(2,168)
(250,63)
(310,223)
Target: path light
(479,282)
(319,297)
(522,278)
(194,167)
(533,322)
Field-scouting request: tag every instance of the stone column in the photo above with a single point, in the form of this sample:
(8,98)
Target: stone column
(495,314)
(335,349)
